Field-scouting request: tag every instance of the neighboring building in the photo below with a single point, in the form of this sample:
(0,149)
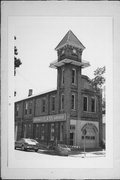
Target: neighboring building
(62,115)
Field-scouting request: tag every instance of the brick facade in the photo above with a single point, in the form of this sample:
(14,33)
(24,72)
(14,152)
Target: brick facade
(64,125)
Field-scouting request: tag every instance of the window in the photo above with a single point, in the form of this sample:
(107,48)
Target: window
(62,76)
(30,111)
(43,105)
(61,131)
(74,51)
(63,52)
(17,109)
(93,104)
(53,103)
(26,107)
(42,131)
(52,132)
(30,107)
(85,103)
(73,76)
(73,101)
(62,101)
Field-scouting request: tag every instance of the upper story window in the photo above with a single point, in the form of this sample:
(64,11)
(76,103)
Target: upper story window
(73,101)
(62,101)
(26,107)
(53,103)
(73,76)
(63,52)
(30,111)
(43,105)
(85,103)
(62,76)
(17,109)
(93,104)
(30,107)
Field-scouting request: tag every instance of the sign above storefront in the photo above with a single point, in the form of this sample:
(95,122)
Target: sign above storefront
(51,118)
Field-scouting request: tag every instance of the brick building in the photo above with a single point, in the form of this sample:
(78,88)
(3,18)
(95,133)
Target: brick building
(66,113)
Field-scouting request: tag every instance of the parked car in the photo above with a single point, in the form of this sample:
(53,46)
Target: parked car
(59,149)
(26,143)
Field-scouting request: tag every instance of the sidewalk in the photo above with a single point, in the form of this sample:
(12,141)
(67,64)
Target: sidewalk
(89,154)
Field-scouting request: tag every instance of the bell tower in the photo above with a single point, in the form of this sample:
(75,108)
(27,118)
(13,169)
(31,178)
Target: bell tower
(69,66)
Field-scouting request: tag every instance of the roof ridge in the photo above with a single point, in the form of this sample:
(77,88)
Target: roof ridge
(71,39)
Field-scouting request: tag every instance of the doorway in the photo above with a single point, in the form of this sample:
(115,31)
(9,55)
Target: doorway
(71,138)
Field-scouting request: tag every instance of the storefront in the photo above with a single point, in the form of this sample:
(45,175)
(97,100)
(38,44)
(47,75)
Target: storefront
(49,128)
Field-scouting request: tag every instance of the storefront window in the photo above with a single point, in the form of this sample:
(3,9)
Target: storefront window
(42,131)
(61,131)
(52,132)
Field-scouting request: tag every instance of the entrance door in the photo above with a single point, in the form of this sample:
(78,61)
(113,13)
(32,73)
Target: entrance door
(90,138)
(71,138)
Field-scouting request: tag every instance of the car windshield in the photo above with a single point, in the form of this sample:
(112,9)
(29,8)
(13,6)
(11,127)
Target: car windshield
(28,140)
(63,145)
(33,140)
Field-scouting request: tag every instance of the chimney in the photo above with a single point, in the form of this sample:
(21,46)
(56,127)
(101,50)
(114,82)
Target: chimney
(30,92)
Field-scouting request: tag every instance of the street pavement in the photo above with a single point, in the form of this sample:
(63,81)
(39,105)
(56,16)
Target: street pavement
(41,154)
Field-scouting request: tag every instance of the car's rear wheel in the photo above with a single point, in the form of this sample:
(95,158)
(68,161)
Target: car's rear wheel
(36,150)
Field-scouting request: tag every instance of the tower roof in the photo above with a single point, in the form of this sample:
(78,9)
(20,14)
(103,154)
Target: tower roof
(70,39)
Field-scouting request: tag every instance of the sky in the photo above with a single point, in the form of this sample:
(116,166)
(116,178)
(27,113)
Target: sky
(37,38)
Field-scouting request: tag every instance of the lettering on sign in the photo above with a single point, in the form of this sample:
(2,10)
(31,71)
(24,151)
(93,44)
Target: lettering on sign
(51,118)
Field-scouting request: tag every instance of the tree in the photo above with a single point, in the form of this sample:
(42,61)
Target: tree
(17,61)
(99,78)
(98,81)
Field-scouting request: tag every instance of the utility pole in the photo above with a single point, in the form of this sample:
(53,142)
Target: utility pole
(84,133)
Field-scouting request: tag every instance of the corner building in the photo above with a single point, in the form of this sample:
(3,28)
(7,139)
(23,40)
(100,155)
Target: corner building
(65,114)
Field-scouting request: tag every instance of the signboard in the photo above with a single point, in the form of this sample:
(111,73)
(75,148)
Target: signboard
(51,118)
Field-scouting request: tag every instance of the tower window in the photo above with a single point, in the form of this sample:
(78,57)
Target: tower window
(63,51)
(53,103)
(43,105)
(73,101)
(62,101)
(85,103)
(62,76)
(92,104)
(74,51)
(73,76)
